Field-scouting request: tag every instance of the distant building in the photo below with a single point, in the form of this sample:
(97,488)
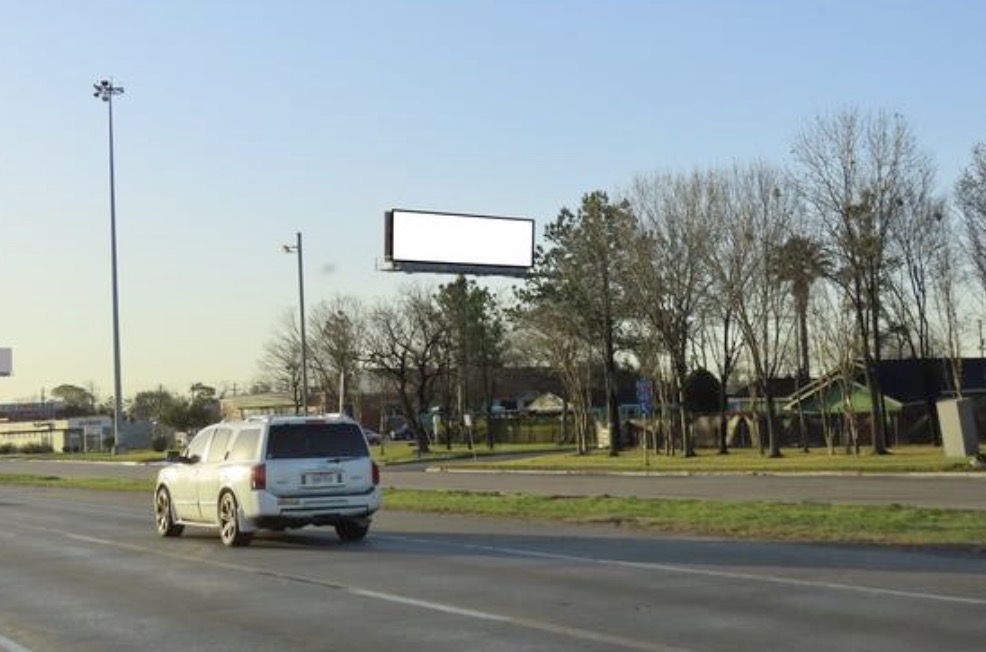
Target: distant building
(59,435)
(265,404)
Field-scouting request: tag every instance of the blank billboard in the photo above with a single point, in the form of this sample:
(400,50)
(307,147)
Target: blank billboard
(458,243)
(6,362)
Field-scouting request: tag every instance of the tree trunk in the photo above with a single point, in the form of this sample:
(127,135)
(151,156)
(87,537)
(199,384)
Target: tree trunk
(723,419)
(775,449)
(612,401)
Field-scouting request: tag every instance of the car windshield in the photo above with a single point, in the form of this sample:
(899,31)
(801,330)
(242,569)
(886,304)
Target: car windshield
(298,440)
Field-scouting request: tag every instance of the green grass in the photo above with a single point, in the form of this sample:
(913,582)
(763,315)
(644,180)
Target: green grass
(400,452)
(899,460)
(98,484)
(550,457)
(393,452)
(803,522)
(888,525)
(137,456)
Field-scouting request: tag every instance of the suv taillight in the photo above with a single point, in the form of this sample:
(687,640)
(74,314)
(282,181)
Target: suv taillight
(376,473)
(258,477)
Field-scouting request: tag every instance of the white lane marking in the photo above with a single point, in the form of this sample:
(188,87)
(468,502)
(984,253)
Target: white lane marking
(561,630)
(671,568)
(690,570)
(538,625)
(521,552)
(11,646)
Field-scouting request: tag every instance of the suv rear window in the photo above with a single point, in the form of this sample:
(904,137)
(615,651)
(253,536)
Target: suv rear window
(298,440)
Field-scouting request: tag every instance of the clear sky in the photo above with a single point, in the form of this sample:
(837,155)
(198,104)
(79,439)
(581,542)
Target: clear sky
(245,122)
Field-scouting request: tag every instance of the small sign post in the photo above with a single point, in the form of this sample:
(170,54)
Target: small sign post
(645,397)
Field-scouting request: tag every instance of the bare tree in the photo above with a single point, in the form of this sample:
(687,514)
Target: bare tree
(911,294)
(917,242)
(970,194)
(835,343)
(719,333)
(668,276)
(281,361)
(856,173)
(337,348)
(547,335)
(762,211)
(404,346)
(945,279)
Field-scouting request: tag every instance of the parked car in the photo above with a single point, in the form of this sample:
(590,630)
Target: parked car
(404,433)
(270,473)
(373,437)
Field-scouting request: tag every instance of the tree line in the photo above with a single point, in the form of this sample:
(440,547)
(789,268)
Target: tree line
(849,254)
(180,412)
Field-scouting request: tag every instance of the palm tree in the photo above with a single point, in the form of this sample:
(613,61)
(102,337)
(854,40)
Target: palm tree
(801,262)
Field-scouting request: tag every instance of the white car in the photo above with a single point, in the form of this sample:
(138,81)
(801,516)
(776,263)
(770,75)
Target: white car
(270,473)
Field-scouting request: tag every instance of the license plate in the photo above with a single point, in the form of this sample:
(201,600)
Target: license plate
(321,479)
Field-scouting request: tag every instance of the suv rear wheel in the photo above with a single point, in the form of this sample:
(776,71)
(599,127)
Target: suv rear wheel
(229,522)
(351,530)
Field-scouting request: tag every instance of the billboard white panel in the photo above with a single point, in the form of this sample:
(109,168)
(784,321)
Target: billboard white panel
(6,362)
(417,240)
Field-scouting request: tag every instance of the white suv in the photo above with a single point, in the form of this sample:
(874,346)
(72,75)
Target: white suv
(270,473)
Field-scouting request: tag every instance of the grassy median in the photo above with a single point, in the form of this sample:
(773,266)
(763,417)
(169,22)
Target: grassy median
(906,459)
(768,521)
(551,457)
(805,522)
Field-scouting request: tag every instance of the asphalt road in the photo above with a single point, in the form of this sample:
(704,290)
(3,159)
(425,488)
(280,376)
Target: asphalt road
(84,571)
(947,491)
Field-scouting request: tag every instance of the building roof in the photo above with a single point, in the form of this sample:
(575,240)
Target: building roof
(836,397)
(902,382)
(546,404)
(916,380)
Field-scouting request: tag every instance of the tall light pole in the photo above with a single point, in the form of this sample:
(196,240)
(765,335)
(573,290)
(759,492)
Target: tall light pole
(105,90)
(296,248)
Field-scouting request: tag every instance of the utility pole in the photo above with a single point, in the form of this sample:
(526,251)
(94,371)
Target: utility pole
(105,90)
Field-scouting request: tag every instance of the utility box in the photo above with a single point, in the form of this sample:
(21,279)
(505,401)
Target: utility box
(959,435)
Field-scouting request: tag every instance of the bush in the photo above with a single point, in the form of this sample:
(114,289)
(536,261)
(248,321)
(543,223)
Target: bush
(7,449)
(159,443)
(31,449)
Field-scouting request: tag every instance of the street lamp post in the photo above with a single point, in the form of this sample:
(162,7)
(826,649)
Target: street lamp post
(296,248)
(105,90)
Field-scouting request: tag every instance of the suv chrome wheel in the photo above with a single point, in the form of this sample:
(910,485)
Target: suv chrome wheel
(229,522)
(164,517)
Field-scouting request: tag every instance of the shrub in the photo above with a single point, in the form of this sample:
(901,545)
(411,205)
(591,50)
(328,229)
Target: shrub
(30,449)
(7,449)
(159,443)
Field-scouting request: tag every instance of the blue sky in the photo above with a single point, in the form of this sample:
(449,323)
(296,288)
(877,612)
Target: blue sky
(245,122)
